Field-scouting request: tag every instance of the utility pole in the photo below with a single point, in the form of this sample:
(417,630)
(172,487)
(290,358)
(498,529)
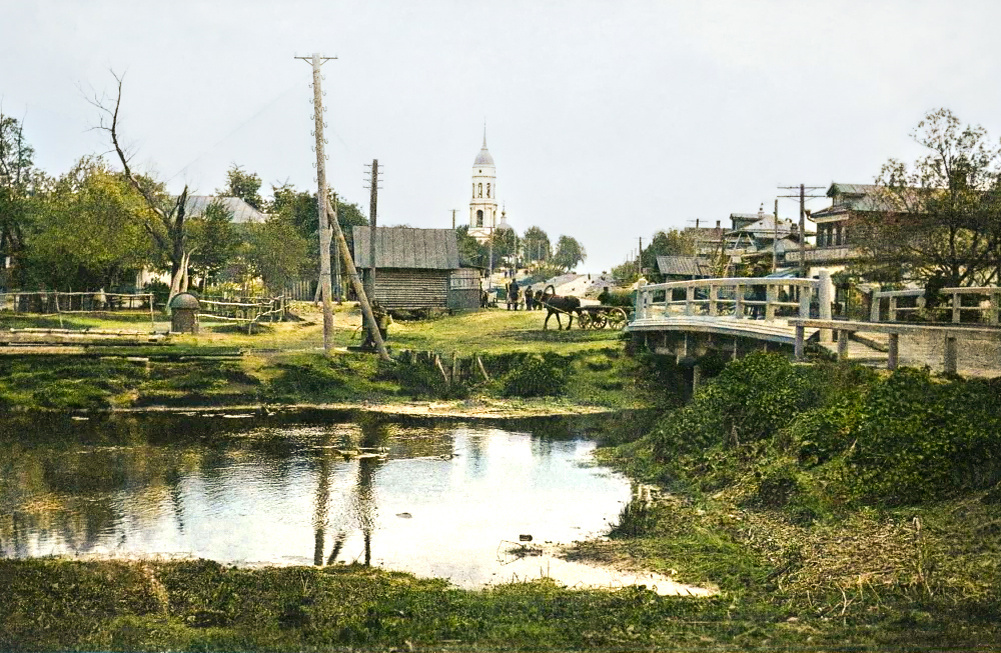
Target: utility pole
(338,281)
(321,199)
(775,237)
(802,219)
(373,203)
(639,259)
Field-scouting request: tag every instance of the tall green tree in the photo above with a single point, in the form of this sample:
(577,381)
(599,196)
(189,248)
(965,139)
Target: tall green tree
(536,245)
(938,219)
(471,251)
(18,181)
(278,252)
(90,231)
(568,253)
(214,240)
(243,184)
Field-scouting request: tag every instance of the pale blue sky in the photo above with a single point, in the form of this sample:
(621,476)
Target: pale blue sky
(607,120)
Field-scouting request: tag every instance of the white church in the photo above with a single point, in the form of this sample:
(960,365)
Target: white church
(483,215)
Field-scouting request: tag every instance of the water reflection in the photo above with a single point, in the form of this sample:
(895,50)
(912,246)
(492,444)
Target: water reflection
(437,500)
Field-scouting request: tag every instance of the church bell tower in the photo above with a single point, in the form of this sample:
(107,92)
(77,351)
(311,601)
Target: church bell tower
(483,205)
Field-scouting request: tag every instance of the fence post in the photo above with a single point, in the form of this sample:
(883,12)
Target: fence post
(992,308)
(893,308)
(951,358)
(874,308)
(824,301)
(771,296)
(804,301)
(957,302)
(738,304)
(713,299)
(843,344)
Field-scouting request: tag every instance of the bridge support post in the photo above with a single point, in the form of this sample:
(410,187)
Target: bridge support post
(824,301)
(951,358)
(843,344)
(893,354)
(800,338)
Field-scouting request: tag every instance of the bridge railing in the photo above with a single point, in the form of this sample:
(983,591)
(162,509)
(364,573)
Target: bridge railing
(987,308)
(737,297)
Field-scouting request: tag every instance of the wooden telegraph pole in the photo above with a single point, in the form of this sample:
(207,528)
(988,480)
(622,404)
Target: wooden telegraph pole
(325,213)
(802,219)
(321,198)
(775,237)
(373,204)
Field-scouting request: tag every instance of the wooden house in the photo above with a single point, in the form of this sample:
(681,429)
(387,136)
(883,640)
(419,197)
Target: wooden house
(417,269)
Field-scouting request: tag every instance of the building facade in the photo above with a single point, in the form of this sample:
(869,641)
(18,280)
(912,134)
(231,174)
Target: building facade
(483,215)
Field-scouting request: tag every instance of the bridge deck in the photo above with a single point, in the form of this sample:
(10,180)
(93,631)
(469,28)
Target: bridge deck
(777,330)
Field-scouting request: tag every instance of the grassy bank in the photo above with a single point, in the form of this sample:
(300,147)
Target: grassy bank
(282,364)
(834,501)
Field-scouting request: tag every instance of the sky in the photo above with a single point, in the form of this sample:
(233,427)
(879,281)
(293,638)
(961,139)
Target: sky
(608,121)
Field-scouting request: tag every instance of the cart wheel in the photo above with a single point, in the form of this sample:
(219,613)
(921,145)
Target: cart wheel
(599,320)
(617,318)
(584,320)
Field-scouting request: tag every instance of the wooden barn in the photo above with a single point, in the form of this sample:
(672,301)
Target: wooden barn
(416,269)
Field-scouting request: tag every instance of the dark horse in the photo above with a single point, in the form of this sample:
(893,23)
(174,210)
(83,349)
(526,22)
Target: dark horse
(556,304)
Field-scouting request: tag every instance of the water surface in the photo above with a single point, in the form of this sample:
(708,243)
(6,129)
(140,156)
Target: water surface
(451,501)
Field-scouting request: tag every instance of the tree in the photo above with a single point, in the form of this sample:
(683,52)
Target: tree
(568,253)
(665,243)
(278,253)
(89,231)
(214,240)
(245,185)
(938,220)
(505,244)
(17,178)
(165,215)
(471,251)
(536,244)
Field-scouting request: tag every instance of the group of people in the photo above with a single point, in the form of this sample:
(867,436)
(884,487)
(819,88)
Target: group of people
(533,299)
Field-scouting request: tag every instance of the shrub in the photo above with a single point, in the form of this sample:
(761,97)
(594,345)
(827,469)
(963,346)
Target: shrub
(538,376)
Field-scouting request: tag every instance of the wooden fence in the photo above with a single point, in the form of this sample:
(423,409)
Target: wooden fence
(986,307)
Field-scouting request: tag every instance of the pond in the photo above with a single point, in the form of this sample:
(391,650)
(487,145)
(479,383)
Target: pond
(474,504)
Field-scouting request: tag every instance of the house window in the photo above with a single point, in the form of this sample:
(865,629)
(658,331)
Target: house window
(479,218)
(481,190)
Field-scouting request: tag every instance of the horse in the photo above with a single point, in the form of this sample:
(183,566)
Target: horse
(557,304)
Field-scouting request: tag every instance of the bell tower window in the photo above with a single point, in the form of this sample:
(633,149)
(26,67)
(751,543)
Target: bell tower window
(479,218)
(480,190)
(488,190)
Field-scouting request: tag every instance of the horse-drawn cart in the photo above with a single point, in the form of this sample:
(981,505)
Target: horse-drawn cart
(601,316)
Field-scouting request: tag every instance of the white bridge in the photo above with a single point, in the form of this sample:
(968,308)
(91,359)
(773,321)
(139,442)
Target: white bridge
(688,319)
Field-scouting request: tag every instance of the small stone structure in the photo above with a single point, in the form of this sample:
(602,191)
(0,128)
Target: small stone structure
(184,313)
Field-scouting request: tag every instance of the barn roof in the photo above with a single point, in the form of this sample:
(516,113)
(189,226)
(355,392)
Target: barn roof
(406,247)
(240,210)
(689,266)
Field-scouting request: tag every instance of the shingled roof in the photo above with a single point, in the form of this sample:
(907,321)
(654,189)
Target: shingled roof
(406,247)
(238,208)
(688,266)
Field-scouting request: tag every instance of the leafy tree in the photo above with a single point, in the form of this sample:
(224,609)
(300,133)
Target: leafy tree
(471,250)
(90,231)
(245,185)
(536,244)
(940,218)
(278,253)
(214,239)
(17,181)
(505,246)
(568,253)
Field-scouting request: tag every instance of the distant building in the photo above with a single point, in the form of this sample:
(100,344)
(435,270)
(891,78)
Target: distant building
(417,269)
(684,268)
(836,245)
(483,215)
